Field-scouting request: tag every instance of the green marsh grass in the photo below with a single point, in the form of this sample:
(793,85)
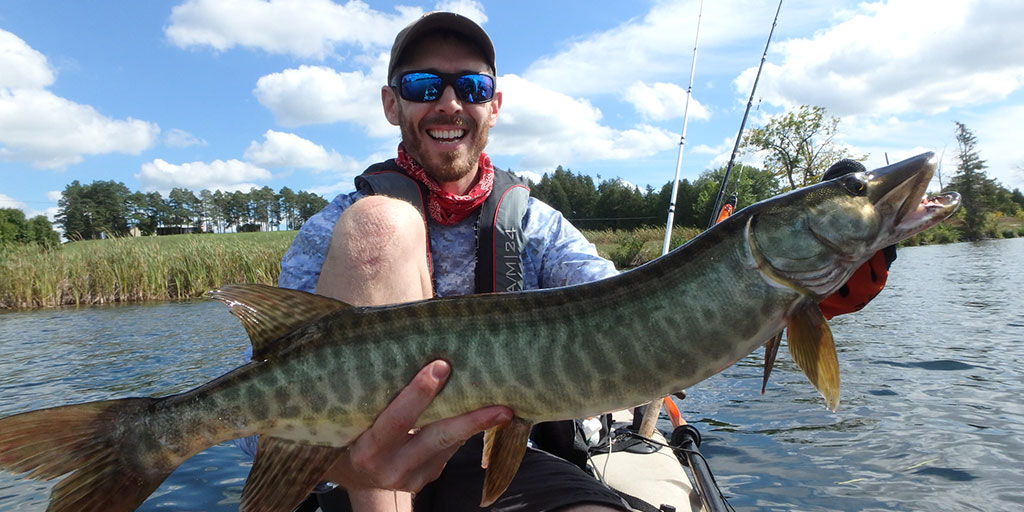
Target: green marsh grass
(632,247)
(137,269)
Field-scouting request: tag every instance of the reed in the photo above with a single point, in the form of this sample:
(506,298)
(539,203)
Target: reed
(632,247)
(137,269)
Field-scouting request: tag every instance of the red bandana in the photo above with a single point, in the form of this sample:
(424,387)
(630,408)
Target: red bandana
(444,207)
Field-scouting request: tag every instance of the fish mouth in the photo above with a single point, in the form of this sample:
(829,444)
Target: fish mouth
(898,191)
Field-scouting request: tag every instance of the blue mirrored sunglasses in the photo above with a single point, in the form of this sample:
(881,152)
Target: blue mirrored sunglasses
(427,86)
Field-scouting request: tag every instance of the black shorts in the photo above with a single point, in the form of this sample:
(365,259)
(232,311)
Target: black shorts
(543,483)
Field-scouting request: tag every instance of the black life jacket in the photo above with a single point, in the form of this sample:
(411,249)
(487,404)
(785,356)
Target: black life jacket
(499,225)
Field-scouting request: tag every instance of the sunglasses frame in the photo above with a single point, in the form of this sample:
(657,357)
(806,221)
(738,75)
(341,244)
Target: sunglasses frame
(446,80)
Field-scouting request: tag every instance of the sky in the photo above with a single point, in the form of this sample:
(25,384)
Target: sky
(233,94)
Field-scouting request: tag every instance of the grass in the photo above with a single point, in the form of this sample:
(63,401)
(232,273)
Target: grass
(630,248)
(137,269)
(186,266)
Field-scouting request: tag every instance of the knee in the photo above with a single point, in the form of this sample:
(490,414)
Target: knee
(379,229)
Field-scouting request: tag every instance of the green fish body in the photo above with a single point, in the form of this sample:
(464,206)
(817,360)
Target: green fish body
(322,370)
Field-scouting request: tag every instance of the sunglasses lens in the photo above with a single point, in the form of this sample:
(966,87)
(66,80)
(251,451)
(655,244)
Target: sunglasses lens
(421,87)
(475,88)
(425,87)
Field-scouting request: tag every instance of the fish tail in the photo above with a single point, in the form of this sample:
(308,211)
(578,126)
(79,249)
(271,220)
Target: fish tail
(89,441)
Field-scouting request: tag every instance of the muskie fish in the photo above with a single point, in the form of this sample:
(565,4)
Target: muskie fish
(322,370)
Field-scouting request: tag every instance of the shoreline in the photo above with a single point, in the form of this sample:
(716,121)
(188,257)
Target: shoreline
(177,267)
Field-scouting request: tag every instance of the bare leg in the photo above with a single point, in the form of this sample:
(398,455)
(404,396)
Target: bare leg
(377,256)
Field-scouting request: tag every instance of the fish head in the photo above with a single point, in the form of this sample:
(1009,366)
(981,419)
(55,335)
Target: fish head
(813,238)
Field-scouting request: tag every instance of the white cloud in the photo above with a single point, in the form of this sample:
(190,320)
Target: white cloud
(901,56)
(307,29)
(659,45)
(663,101)
(23,66)
(530,175)
(468,8)
(53,132)
(288,150)
(50,131)
(217,175)
(10,202)
(549,128)
(177,138)
(318,94)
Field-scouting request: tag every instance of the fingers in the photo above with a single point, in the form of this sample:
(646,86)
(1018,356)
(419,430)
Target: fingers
(400,416)
(387,456)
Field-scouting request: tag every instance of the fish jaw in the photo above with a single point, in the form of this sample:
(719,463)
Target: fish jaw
(899,191)
(812,239)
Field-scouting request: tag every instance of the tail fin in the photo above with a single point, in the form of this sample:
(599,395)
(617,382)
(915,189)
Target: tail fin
(86,440)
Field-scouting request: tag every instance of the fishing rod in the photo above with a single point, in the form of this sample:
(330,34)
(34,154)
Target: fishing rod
(743,123)
(682,141)
(653,409)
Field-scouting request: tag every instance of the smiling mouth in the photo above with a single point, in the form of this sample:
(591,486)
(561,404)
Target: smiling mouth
(447,136)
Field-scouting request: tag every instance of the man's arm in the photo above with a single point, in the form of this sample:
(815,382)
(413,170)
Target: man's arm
(559,254)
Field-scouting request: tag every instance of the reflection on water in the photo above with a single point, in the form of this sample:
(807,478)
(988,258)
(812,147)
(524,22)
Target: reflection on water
(930,417)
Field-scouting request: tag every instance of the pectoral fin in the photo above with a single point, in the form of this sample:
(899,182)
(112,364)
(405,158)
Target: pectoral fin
(284,473)
(504,447)
(811,345)
(771,348)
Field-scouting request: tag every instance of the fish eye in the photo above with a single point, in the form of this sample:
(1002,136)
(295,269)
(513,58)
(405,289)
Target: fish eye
(855,184)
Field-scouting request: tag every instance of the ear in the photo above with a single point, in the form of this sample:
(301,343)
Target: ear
(495,106)
(390,102)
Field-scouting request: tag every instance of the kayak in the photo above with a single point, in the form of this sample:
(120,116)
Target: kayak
(655,474)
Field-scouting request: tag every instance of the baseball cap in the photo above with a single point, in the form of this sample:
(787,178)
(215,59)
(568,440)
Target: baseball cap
(440,20)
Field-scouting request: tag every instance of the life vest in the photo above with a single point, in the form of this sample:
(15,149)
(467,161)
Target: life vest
(865,283)
(499,228)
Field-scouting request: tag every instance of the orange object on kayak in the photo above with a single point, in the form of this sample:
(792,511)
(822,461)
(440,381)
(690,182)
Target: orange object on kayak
(727,209)
(863,285)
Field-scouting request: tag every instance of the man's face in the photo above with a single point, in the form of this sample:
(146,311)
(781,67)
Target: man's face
(445,136)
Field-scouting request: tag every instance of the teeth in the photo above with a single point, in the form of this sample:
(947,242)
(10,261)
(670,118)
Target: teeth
(446,134)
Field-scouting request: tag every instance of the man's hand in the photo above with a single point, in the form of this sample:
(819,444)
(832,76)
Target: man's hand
(388,456)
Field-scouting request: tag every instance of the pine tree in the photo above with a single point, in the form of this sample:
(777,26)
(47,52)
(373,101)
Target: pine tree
(975,187)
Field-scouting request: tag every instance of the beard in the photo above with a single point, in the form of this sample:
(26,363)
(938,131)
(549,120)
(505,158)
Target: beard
(445,166)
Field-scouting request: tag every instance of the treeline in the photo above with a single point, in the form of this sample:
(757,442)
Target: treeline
(16,229)
(615,204)
(110,208)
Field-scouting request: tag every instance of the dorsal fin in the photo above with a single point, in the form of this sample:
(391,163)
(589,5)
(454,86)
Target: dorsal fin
(268,312)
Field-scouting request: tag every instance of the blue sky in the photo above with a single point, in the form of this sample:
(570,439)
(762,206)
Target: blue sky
(229,94)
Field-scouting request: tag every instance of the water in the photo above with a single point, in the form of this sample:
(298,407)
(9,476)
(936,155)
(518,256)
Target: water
(930,418)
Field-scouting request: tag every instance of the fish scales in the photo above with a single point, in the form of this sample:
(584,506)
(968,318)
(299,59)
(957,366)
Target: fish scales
(323,370)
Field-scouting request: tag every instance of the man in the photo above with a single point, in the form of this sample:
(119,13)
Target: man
(366,248)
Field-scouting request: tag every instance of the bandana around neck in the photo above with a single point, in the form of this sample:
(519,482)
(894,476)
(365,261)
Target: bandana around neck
(444,207)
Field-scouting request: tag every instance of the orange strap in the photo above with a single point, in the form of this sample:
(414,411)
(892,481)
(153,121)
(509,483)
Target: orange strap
(864,285)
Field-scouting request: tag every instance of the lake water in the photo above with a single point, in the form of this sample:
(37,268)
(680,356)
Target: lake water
(931,416)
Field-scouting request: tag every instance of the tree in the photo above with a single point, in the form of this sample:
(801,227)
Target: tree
(15,229)
(40,230)
(289,211)
(750,185)
(308,204)
(572,194)
(620,205)
(12,226)
(72,212)
(800,145)
(975,187)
